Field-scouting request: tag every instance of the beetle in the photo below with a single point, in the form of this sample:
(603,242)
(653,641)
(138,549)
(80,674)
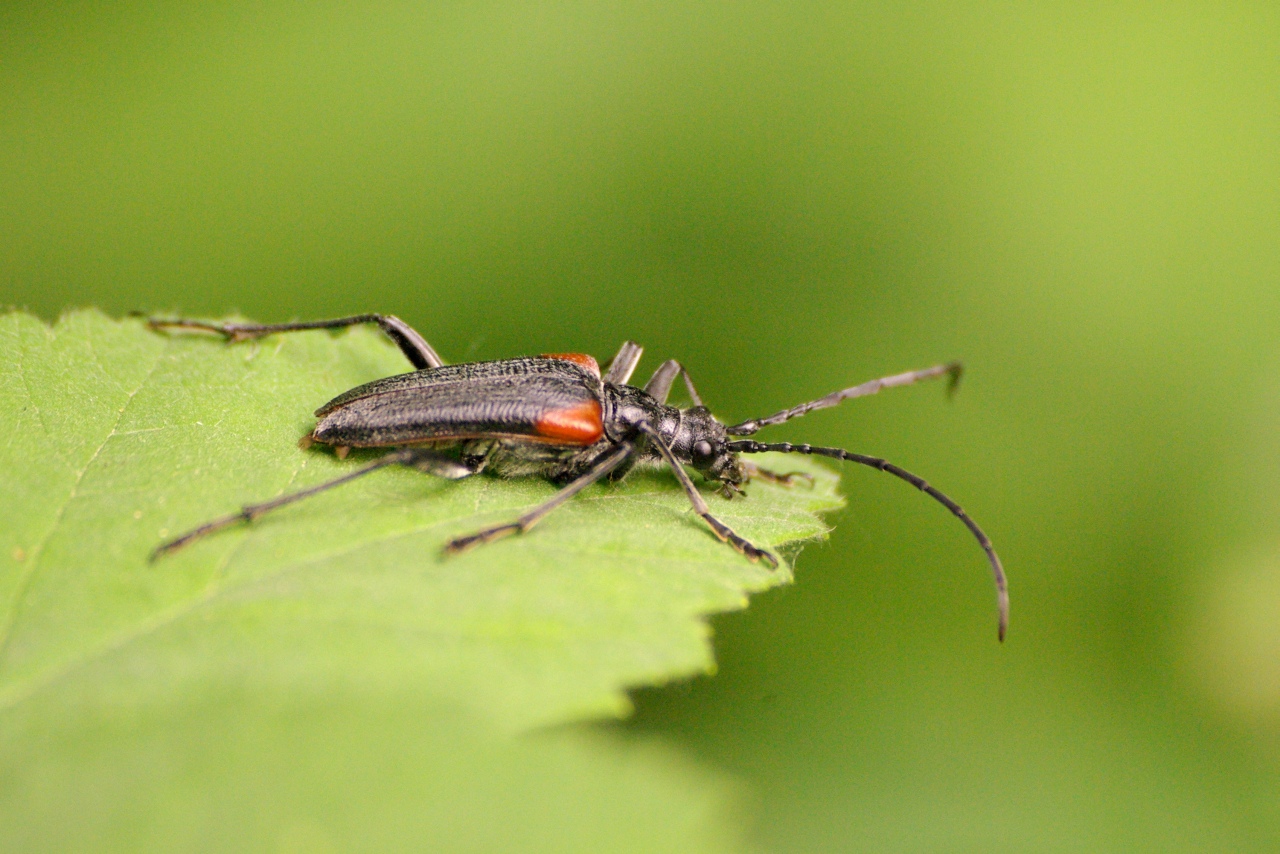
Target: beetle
(554,415)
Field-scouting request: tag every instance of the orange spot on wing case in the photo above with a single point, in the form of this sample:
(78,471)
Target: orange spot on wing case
(582,360)
(576,425)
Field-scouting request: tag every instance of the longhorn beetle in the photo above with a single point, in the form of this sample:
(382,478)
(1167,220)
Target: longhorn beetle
(553,415)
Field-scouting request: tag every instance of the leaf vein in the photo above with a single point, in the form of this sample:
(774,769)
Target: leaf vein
(37,551)
(26,384)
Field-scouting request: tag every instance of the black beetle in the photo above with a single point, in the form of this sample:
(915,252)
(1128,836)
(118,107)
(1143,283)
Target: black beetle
(553,415)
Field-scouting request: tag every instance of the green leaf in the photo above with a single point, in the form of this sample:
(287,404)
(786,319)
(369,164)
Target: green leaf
(115,437)
(232,771)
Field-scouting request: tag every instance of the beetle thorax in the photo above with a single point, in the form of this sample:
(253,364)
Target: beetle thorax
(694,435)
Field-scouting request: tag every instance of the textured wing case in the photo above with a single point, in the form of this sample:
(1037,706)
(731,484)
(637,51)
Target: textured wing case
(550,400)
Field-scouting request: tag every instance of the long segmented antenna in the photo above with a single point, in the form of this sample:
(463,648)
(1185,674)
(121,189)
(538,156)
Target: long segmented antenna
(953,370)
(748,446)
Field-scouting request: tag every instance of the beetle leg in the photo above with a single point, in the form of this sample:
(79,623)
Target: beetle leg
(788,479)
(623,364)
(731,490)
(420,458)
(415,348)
(659,385)
(604,464)
(720,529)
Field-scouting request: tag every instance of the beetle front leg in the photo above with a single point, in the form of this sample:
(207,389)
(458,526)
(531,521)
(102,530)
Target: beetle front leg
(720,529)
(610,461)
(415,348)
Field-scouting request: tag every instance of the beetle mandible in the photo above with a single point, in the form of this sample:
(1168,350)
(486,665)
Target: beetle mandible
(556,416)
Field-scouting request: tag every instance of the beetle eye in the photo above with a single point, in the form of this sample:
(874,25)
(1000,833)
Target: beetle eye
(702,449)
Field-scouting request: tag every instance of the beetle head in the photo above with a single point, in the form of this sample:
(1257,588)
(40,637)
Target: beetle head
(702,442)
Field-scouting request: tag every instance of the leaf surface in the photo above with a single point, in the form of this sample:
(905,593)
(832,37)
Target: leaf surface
(336,615)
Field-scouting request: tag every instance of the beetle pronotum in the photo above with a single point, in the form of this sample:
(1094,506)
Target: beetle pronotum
(556,416)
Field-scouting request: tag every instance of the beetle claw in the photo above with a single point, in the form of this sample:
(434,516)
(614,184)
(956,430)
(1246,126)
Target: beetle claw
(755,554)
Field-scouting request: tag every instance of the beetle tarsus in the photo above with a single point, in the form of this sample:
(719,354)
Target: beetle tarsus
(731,490)
(741,545)
(404,456)
(414,347)
(226,330)
(459,545)
(194,534)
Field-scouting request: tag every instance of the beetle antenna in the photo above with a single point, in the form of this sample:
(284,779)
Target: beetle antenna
(952,370)
(748,446)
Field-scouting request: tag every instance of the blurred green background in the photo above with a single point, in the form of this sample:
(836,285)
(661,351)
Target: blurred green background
(1081,202)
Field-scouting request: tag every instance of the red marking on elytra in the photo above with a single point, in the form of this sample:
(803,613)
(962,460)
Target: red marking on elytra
(575,425)
(582,360)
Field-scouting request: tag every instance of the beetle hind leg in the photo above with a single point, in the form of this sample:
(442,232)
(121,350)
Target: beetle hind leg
(422,459)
